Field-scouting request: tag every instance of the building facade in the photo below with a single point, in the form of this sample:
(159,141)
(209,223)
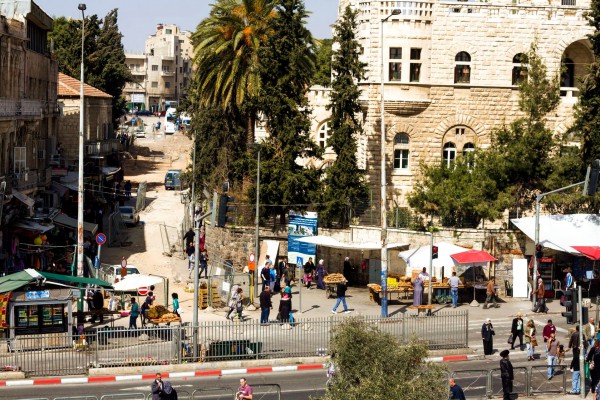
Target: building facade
(163,72)
(28,104)
(450,72)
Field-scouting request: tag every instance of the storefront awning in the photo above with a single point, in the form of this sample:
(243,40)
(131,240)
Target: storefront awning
(65,220)
(110,170)
(328,241)
(563,232)
(75,279)
(473,256)
(33,226)
(17,280)
(591,252)
(28,201)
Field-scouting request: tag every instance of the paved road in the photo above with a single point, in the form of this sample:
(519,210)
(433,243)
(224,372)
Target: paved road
(294,386)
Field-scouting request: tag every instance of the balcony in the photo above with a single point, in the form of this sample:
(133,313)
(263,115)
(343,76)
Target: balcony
(101,148)
(138,72)
(167,73)
(11,108)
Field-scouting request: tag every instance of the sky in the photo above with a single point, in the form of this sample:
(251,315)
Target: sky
(138,19)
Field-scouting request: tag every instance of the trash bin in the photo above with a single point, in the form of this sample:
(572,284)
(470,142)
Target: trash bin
(228,350)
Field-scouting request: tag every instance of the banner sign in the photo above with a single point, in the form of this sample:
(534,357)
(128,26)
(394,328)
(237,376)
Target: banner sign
(4,299)
(301,225)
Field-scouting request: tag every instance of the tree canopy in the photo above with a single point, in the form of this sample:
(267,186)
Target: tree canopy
(323,64)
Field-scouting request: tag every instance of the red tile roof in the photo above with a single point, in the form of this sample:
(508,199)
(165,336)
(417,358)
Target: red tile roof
(70,87)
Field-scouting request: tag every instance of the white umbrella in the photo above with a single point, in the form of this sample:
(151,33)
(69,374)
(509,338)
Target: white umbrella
(135,281)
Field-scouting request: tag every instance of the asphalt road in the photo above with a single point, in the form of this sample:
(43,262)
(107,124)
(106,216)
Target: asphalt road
(294,386)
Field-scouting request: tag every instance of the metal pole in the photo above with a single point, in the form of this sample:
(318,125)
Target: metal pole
(536,240)
(581,348)
(256,223)
(430,269)
(193,199)
(384,267)
(196,291)
(81,7)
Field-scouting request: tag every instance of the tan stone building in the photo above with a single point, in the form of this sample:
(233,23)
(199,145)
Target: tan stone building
(28,105)
(162,73)
(450,70)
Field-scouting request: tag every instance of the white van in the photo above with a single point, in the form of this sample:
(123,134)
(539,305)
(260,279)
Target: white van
(169,123)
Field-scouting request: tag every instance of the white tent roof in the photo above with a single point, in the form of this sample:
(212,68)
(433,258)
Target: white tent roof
(328,241)
(136,281)
(419,257)
(560,232)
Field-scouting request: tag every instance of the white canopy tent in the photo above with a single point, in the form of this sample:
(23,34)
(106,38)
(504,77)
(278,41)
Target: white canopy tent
(418,258)
(328,241)
(136,281)
(560,232)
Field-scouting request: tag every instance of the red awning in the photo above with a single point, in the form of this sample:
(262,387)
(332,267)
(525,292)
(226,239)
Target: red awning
(592,252)
(472,256)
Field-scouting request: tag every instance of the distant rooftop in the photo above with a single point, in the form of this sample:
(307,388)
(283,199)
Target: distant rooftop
(70,87)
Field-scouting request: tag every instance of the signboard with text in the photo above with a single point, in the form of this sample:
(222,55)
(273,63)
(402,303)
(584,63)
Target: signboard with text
(301,225)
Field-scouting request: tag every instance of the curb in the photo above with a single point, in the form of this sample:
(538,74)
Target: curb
(139,377)
(455,358)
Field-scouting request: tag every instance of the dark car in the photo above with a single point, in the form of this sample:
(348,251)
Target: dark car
(144,113)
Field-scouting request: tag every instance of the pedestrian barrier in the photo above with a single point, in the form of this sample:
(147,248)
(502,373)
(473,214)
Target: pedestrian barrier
(520,382)
(77,398)
(541,384)
(124,396)
(266,392)
(216,393)
(474,383)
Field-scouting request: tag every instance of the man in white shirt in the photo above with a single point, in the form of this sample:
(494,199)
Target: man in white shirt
(589,332)
(454,282)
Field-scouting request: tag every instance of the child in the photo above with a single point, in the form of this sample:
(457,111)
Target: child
(560,355)
(175,297)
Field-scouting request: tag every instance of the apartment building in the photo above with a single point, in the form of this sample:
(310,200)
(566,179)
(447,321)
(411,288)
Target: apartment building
(162,73)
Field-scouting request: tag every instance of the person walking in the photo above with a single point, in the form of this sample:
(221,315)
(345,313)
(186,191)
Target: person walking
(487,335)
(309,270)
(203,263)
(189,237)
(156,389)
(530,339)
(540,305)
(281,269)
(341,296)
(134,313)
(146,307)
(490,293)
(244,392)
(454,282)
(265,274)
(236,304)
(549,329)
(574,367)
(589,332)
(419,284)
(190,251)
(285,307)
(266,305)
(552,344)
(506,374)
(456,391)
(175,298)
(594,356)
(273,278)
(517,330)
(321,272)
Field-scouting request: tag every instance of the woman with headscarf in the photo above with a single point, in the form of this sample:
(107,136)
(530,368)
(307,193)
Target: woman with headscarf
(321,272)
(419,284)
(285,307)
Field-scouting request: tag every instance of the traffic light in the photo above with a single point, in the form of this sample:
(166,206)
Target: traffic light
(539,252)
(591,183)
(571,305)
(434,252)
(224,208)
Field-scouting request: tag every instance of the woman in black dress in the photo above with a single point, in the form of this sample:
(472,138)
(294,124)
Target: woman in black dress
(594,355)
(285,307)
(487,334)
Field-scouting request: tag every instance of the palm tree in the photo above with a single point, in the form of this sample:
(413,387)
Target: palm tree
(226,48)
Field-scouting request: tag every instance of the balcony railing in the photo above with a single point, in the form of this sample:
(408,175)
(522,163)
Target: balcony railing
(21,108)
(103,147)
(167,73)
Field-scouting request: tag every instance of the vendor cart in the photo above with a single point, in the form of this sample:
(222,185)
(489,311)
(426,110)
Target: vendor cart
(330,290)
(331,282)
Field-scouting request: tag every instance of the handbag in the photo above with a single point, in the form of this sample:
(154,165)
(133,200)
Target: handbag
(511,339)
(534,342)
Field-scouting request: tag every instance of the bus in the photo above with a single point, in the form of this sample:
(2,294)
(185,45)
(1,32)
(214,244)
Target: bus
(169,123)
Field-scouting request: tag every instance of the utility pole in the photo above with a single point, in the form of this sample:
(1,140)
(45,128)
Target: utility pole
(196,290)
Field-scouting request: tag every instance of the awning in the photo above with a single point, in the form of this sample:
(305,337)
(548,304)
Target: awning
(75,279)
(419,257)
(328,241)
(592,252)
(59,188)
(473,256)
(28,201)
(65,220)
(110,170)
(32,225)
(19,279)
(136,281)
(562,232)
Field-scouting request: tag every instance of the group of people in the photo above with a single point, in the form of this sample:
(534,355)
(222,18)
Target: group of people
(164,390)
(190,253)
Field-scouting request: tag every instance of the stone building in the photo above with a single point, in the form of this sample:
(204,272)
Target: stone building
(450,71)
(163,72)
(28,105)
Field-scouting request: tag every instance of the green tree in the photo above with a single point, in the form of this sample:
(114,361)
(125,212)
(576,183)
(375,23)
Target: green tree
(372,364)
(287,65)
(323,65)
(104,57)
(344,182)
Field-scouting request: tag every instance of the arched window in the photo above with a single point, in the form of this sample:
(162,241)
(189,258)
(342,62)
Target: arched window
(323,132)
(462,68)
(519,71)
(468,148)
(567,78)
(468,153)
(449,154)
(401,151)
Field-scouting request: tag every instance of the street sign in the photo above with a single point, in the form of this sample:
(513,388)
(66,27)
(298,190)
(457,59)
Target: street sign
(100,239)
(96,262)
(123,262)
(142,291)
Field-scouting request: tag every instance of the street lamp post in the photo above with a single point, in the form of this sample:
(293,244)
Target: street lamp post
(256,219)
(81,7)
(384,266)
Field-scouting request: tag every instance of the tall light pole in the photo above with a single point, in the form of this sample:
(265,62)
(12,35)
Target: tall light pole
(256,218)
(80,178)
(384,263)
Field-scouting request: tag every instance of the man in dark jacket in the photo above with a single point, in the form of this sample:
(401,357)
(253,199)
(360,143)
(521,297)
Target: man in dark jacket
(341,296)
(156,389)
(98,303)
(265,305)
(265,274)
(517,329)
(506,374)
(487,335)
(456,391)
(575,370)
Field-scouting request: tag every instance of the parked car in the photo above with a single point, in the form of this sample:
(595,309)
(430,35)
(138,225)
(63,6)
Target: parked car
(144,113)
(112,273)
(140,133)
(173,180)
(129,215)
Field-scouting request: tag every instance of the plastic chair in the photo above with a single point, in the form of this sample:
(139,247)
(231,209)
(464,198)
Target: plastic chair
(557,286)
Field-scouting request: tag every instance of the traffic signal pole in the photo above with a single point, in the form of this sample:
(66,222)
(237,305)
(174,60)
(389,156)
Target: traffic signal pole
(581,348)
(430,268)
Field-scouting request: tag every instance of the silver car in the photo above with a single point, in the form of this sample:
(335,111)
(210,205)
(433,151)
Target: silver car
(129,215)
(112,273)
